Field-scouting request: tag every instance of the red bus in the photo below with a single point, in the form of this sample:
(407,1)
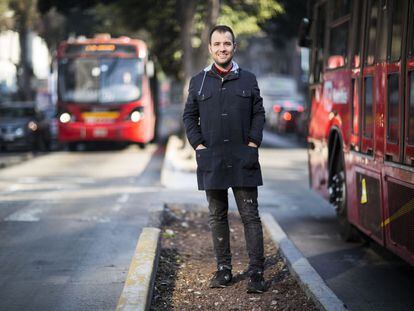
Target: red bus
(104,91)
(361,123)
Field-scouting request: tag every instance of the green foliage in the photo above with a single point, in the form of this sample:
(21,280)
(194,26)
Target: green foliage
(245,17)
(159,22)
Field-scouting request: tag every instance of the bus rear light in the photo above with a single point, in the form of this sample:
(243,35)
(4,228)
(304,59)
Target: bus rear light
(287,116)
(277,108)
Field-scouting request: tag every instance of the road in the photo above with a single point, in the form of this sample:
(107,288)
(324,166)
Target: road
(69,223)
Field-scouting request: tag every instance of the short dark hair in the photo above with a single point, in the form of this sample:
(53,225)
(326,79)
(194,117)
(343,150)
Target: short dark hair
(221,29)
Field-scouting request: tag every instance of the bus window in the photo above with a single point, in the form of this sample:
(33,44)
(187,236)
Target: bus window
(356,35)
(318,56)
(411,110)
(368,108)
(397,28)
(393,108)
(340,8)
(338,46)
(354,106)
(382,43)
(372,32)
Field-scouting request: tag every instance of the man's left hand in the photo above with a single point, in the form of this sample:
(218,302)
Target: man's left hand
(252,144)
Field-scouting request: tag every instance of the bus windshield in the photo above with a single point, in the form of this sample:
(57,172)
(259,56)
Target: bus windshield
(100,80)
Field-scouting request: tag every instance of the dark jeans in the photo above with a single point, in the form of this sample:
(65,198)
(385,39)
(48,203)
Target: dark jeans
(246,199)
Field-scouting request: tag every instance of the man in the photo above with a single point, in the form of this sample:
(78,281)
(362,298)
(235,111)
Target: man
(224,119)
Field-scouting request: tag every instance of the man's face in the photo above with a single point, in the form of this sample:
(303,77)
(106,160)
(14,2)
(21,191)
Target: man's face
(221,48)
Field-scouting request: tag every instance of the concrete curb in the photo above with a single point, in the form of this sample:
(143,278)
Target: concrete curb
(309,280)
(6,160)
(137,292)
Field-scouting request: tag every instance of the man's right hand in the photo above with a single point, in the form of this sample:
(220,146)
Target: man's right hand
(201,146)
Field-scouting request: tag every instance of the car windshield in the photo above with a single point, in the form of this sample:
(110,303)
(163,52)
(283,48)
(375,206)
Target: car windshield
(100,80)
(16,112)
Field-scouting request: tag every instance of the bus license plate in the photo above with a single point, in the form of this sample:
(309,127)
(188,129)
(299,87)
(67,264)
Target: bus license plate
(100,132)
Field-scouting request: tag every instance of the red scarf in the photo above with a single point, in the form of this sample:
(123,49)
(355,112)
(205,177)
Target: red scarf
(222,72)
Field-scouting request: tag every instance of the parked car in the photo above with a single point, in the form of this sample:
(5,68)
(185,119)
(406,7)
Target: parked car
(23,126)
(282,102)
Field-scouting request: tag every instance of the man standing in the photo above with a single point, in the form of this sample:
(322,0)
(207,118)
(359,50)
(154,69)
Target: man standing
(224,119)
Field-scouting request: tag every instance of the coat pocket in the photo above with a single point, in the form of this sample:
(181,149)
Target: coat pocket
(204,159)
(243,99)
(251,158)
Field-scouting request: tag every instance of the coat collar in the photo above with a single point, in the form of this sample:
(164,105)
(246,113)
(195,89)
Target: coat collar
(232,75)
(234,69)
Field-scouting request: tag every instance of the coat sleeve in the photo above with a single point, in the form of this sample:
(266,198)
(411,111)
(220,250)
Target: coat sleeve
(191,117)
(258,116)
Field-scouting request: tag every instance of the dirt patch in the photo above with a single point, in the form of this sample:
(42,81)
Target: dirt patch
(187,263)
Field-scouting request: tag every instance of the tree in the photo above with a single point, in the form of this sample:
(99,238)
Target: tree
(24,14)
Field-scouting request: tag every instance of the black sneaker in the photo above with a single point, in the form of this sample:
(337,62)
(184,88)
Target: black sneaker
(256,283)
(221,278)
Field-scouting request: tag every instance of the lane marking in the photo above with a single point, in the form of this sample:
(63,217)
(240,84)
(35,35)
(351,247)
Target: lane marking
(123,198)
(29,215)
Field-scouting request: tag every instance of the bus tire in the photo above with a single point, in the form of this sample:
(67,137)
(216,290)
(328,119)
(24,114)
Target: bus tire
(142,145)
(338,195)
(72,146)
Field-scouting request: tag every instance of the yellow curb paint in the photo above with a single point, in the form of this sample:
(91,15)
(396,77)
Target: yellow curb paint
(409,206)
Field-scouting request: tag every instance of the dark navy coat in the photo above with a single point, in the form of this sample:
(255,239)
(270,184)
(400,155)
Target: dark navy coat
(225,114)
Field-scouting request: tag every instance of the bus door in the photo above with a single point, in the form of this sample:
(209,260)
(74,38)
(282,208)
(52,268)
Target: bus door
(409,93)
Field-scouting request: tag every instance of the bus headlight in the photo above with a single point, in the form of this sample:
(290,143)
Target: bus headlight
(136,115)
(65,117)
(32,126)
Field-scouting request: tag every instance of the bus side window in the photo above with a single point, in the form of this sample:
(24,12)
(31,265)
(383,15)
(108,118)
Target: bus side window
(356,35)
(397,29)
(393,108)
(318,44)
(354,107)
(383,32)
(411,109)
(368,110)
(372,32)
(338,33)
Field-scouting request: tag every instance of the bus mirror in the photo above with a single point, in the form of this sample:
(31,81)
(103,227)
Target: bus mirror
(304,27)
(149,68)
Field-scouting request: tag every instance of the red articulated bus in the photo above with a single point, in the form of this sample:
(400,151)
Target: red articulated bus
(361,124)
(104,91)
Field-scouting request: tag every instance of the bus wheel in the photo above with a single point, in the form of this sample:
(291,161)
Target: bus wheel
(337,191)
(72,146)
(142,145)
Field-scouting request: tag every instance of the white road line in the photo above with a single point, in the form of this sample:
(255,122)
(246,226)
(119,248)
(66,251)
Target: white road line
(25,215)
(124,198)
